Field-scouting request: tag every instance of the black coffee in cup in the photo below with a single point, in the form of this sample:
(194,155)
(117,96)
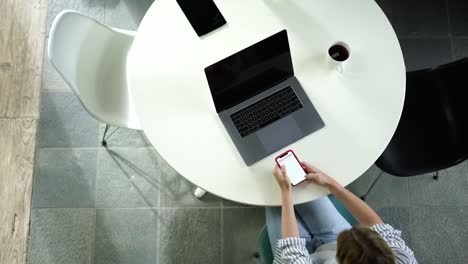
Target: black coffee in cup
(338,52)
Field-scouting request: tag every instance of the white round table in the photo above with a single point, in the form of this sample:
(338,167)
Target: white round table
(361,107)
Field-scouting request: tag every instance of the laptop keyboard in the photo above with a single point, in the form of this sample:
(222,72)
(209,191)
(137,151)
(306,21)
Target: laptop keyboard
(266,111)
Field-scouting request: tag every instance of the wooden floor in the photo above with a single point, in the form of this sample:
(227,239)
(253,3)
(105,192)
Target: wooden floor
(22,34)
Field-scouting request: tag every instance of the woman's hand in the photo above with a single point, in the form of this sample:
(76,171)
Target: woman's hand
(282,178)
(288,217)
(317,176)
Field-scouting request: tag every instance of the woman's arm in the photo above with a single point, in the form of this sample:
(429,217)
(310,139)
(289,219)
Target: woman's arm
(358,208)
(288,217)
(291,248)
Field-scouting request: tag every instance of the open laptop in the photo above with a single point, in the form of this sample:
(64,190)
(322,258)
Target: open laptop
(259,100)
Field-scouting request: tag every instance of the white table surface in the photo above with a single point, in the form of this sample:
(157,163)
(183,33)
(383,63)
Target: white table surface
(361,107)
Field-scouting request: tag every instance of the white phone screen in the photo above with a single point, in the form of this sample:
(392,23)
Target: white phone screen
(293,168)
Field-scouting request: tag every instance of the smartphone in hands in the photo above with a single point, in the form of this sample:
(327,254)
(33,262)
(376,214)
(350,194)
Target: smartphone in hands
(293,167)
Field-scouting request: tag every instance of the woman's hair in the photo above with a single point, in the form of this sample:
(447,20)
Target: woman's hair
(362,245)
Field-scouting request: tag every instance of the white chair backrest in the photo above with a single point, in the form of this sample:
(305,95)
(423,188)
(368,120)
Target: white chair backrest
(91,58)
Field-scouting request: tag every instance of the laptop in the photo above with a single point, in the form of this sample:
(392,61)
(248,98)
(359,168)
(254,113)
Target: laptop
(259,100)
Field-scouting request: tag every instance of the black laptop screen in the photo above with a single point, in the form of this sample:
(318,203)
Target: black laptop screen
(250,71)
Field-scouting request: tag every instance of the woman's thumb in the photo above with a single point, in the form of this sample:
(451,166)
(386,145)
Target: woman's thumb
(283,170)
(311,176)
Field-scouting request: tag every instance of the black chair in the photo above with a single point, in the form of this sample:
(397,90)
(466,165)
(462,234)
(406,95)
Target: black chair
(433,131)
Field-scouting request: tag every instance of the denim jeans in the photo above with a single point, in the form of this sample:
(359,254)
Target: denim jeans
(318,222)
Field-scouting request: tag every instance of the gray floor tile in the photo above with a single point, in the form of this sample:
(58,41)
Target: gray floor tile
(126,236)
(450,190)
(424,53)
(178,192)
(362,184)
(127,177)
(65,123)
(61,236)
(458,10)
(389,191)
(440,234)
(229,203)
(126,14)
(190,236)
(399,218)
(460,48)
(241,228)
(92,8)
(123,137)
(417,17)
(64,178)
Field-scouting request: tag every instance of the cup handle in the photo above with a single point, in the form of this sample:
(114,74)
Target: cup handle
(340,68)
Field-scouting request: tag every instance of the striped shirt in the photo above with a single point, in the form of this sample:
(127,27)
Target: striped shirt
(292,250)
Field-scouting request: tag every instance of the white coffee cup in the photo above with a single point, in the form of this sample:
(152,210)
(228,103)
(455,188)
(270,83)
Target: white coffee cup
(337,55)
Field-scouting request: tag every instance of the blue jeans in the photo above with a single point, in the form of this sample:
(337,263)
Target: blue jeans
(318,222)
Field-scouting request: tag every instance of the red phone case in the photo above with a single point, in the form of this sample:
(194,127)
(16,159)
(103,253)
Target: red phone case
(284,153)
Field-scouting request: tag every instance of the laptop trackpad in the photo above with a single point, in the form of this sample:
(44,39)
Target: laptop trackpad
(279,134)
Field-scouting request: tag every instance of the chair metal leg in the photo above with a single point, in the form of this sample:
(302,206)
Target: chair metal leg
(199,192)
(363,197)
(104,139)
(435,177)
(104,142)
(257,258)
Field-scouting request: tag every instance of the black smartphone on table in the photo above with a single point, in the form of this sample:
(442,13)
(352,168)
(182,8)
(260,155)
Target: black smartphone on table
(203,15)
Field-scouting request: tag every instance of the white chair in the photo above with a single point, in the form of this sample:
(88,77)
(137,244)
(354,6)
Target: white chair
(91,58)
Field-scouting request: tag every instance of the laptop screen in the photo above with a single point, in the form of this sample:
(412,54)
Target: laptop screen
(250,71)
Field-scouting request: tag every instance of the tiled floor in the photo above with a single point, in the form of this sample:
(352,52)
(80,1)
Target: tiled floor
(127,205)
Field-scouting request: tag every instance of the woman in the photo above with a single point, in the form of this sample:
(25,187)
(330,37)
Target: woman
(319,234)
